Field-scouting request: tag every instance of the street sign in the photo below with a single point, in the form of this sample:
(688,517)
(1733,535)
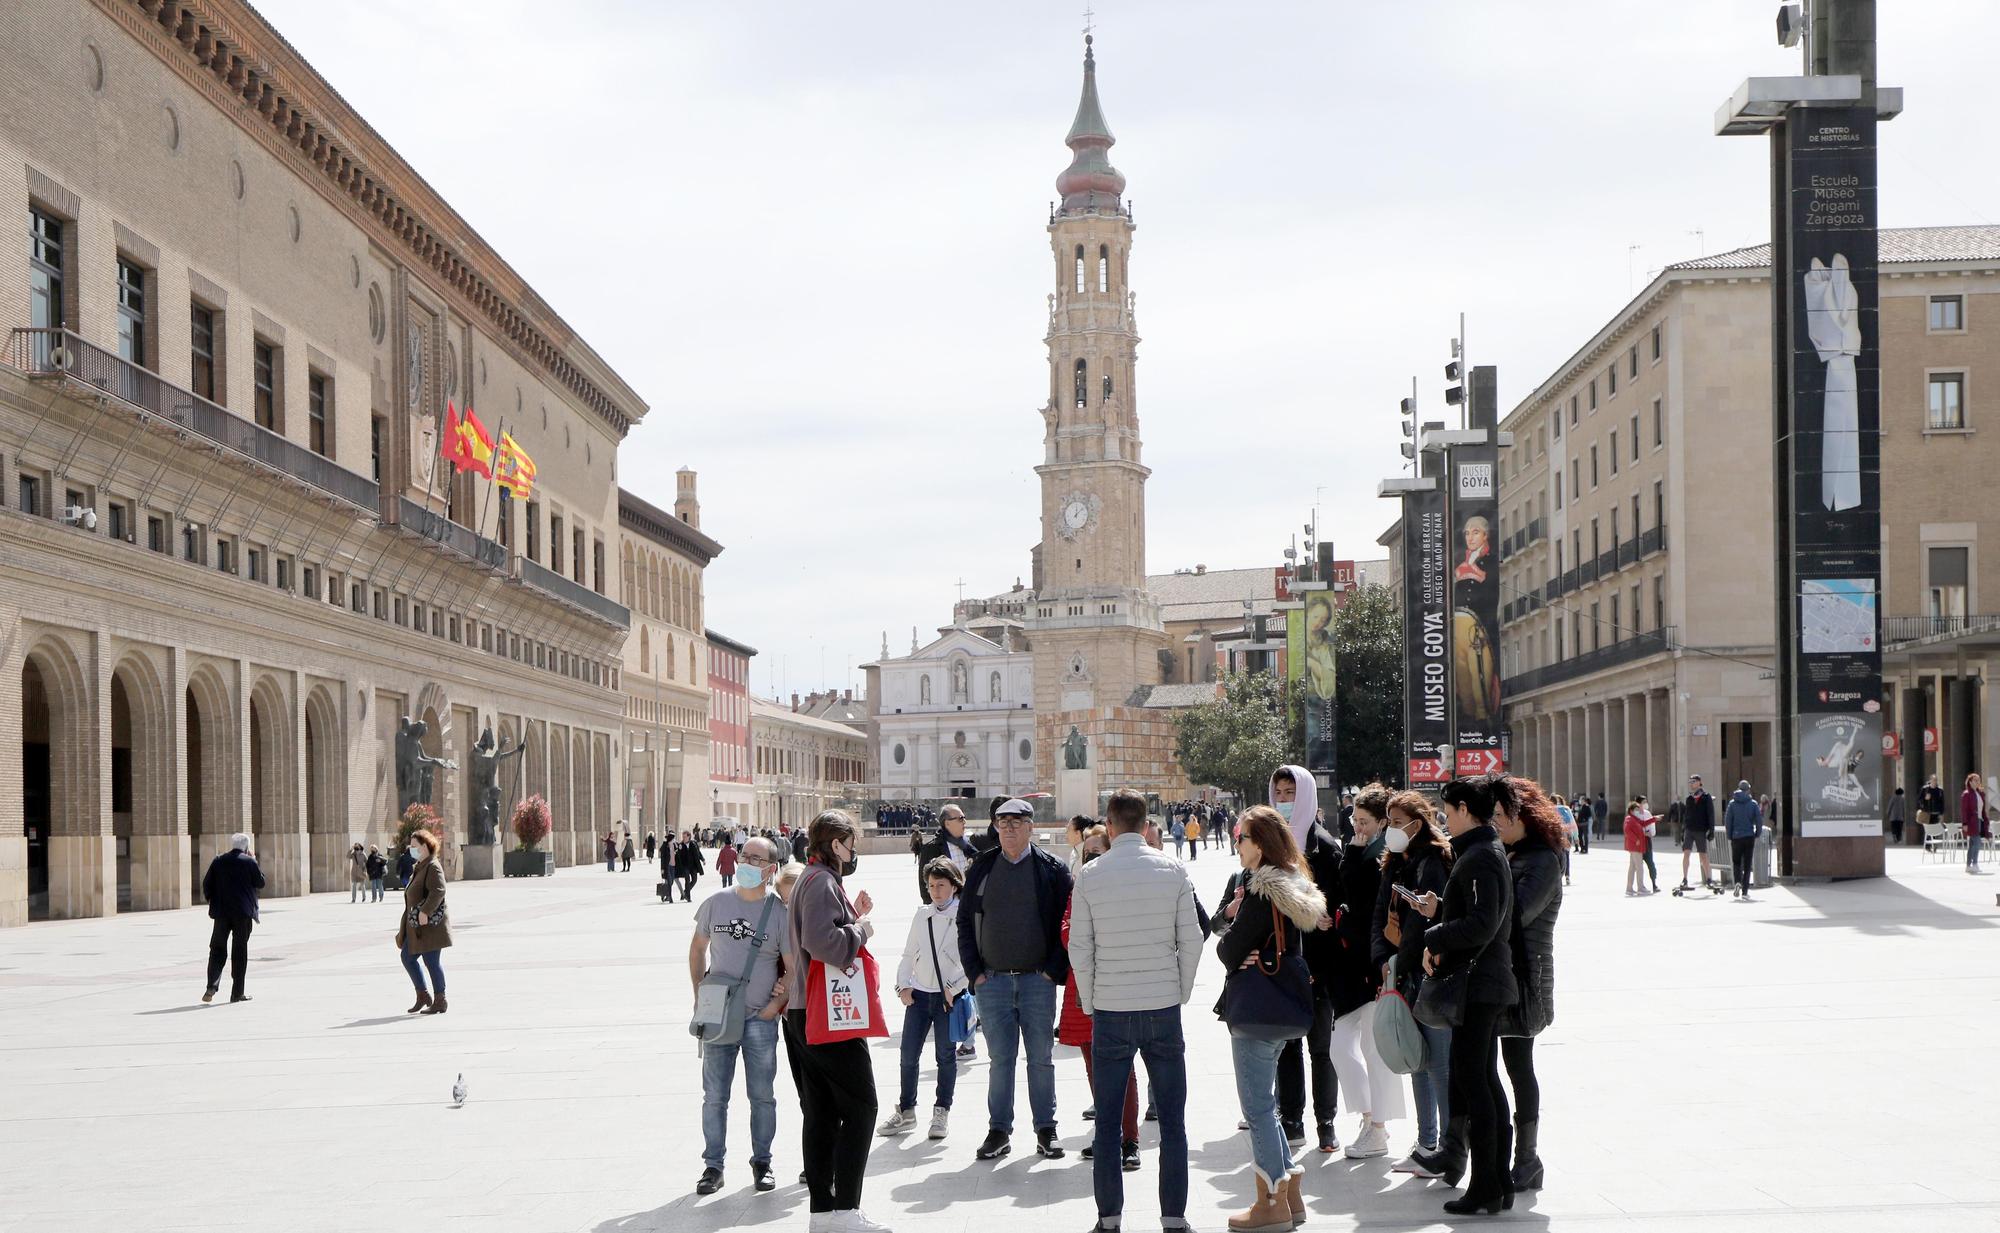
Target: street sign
(1480,762)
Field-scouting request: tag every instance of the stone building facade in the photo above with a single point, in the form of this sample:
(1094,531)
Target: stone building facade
(1636,533)
(661,559)
(955,717)
(730,791)
(801,765)
(234,558)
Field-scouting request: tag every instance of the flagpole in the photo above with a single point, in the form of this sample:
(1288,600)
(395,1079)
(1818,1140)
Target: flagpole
(499,435)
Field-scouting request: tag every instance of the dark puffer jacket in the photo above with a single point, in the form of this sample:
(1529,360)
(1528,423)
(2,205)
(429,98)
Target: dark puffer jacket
(1476,923)
(1537,898)
(1356,976)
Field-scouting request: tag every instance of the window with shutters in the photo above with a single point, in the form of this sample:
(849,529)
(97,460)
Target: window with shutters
(1946,571)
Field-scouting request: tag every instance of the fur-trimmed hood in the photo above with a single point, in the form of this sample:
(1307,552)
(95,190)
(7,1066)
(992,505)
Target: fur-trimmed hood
(1290,892)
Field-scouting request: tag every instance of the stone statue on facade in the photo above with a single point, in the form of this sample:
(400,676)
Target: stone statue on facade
(413,765)
(1076,752)
(486,760)
(959,687)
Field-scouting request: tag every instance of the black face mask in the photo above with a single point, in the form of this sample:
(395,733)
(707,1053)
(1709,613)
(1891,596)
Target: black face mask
(852,863)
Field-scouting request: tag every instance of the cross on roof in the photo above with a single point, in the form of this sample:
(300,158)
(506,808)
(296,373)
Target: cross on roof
(1088,24)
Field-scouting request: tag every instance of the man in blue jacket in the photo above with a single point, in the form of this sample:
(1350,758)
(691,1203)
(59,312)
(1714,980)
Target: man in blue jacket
(1745,821)
(1010,942)
(230,886)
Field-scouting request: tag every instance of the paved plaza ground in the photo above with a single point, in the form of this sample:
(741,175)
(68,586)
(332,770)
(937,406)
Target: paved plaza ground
(1818,1060)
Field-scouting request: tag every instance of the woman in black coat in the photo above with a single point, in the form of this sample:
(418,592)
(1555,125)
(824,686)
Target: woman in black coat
(1532,830)
(1473,941)
(1373,1090)
(1416,863)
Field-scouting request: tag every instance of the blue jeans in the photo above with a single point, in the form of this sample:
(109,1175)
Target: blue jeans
(1257,1094)
(1972,848)
(1116,1036)
(1018,1009)
(927,1015)
(375,889)
(1431,1086)
(759,1047)
(434,960)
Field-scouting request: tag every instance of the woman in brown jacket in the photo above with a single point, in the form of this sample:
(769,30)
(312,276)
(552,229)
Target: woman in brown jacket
(423,933)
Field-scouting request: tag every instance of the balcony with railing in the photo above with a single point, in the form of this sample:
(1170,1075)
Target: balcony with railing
(1652,541)
(1607,563)
(64,355)
(1628,552)
(575,594)
(1617,654)
(1907,629)
(461,541)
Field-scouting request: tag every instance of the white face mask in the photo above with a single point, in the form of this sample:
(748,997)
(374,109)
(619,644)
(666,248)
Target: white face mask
(416,852)
(1284,809)
(1396,838)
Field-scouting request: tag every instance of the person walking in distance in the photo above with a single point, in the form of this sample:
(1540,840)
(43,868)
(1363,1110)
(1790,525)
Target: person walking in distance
(1294,798)
(1580,805)
(1135,947)
(649,847)
(1972,816)
(1745,822)
(1178,835)
(625,854)
(837,1080)
(1274,907)
(725,863)
(1697,828)
(357,873)
(423,932)
(377,869)
(1600,812)
(1010,943)
(1416,864)
(1474,936)
(1930,803)
(1568,820)
(929,980)
(1532,834)
(744,934)
(610,852)
(1652,827)
(691,864)
(230,886)
(1898,805)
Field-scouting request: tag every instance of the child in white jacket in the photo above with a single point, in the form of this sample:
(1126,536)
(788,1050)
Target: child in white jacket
(929,979)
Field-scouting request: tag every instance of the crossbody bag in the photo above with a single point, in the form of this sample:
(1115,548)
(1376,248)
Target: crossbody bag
(720,1001)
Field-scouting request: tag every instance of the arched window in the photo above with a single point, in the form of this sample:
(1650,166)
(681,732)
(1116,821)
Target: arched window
(1079,269)
(645,651)
(1104,267)
(1107,386)
(1082,382)
(670,657)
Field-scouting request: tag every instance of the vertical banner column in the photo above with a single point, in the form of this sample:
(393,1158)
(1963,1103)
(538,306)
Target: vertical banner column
(1829,298)
(1473,513)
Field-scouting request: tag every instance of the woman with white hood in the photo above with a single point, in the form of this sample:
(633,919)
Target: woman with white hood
(1296,800)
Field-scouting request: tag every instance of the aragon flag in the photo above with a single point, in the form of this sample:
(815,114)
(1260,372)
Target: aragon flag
(515,470)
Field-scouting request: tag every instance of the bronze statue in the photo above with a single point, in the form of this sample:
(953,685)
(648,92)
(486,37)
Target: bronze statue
(486,760)
(413,765)
(1076,754)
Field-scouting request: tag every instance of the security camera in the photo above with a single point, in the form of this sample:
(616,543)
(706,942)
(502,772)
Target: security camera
(80,516)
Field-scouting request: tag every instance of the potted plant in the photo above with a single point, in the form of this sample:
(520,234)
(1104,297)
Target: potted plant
(530,825)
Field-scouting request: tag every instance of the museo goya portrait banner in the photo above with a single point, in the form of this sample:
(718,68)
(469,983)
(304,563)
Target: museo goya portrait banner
(1475,609)
(1320,665)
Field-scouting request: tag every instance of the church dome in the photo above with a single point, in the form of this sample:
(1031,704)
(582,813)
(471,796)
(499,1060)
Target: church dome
(1090,182)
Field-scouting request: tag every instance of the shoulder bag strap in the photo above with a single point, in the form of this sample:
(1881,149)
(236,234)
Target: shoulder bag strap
(1278,941)
(763,920)
(930,931)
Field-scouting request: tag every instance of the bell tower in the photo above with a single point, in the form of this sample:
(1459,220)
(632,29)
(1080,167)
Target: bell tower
(1096,632)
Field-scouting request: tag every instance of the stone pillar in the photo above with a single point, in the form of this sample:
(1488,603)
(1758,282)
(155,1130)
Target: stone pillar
(1660,743)
(1558,724)
(1639,770)
(13,806)
(1617,773)
(1588,746)
(83,864)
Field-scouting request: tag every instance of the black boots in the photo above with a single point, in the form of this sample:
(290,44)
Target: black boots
(1527,1165)
(1490,1188)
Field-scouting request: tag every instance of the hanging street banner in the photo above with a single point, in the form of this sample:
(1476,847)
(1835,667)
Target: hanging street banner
(1474,510)
(1426,641)
(1320,664)
(1834,454)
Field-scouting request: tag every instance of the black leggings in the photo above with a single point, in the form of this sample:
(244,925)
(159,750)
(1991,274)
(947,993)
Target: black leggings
(1740,851)
(1518,1052)
(1292,1069)
(1476,1093)
(837,1093)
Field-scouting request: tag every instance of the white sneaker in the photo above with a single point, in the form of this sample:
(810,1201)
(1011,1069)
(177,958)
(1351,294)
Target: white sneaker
(940,1119)
(897,1122)
(1373,1141)
(855,1220)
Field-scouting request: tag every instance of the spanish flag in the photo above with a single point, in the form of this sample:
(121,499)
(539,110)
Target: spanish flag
(515,470)
(467,444)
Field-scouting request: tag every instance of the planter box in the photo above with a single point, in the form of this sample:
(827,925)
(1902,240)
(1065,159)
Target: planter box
(528,864)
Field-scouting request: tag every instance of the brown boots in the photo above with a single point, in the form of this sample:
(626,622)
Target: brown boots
(423,1000)
(1294,1202)
(437,1006)
(1272,1213)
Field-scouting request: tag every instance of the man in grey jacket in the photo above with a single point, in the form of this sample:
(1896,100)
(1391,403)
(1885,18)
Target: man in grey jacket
(1134,946)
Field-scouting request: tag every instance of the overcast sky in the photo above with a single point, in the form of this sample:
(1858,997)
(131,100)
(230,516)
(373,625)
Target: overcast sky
(813,237)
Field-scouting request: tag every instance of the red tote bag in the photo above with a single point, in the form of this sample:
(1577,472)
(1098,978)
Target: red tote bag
(844,1003)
